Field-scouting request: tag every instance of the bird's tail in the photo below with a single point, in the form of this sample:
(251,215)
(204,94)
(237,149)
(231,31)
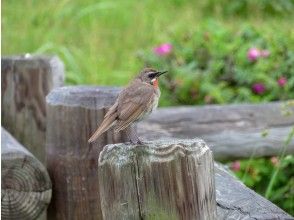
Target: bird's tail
(105,125)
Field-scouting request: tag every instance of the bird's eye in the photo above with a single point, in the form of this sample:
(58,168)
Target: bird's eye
(151,75)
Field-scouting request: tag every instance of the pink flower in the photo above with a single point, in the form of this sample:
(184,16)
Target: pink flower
(253,54)
(235,166)
(258,88)
(275,161)
(282,81)
(163,49)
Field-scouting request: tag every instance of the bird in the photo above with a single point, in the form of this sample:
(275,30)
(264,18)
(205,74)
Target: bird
(134,103)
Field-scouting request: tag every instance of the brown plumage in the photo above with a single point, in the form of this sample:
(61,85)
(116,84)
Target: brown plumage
(134,102)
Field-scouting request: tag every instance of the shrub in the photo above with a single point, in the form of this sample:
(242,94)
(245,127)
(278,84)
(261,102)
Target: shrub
(257,174)
(249,7)
(218,65)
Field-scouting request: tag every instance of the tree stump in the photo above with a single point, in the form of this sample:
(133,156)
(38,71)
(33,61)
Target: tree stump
(26,80)
(74,113)
(25,184)
(159,180)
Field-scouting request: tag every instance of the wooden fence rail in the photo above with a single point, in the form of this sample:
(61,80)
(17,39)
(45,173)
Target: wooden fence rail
(25,185)
(231,131)
(235,201)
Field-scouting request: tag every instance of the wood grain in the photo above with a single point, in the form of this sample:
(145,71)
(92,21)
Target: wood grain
(25,183)
(74,113)
(232,131)
(158,180)
(25,83)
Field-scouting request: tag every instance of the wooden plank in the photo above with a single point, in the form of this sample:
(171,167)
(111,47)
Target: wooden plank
(25,185)
(74,113)
(26,80)
(231,145)
(236,201)
(232,131)
(157,180)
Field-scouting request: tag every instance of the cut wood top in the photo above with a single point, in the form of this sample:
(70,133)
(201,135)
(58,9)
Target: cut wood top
(11,153)
(162,150)
(25,183)
(157,180)
(84,96)
(36,63)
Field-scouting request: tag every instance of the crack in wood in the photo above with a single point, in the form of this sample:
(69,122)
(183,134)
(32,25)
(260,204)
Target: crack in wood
(136,164)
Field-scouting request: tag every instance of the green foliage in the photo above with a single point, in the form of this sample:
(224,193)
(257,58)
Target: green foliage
(99,40)
(257,173)
(274,177)
(211,66)
(249,7)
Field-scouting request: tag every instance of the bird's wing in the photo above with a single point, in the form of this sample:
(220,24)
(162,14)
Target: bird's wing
(108,121)
(132,104)
(111,110)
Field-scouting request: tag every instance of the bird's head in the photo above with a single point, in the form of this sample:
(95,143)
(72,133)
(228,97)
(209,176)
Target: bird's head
(150,76)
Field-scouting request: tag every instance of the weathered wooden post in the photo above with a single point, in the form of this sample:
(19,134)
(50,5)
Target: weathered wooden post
(25,184)
(158,180)
(73,115)
(26,80)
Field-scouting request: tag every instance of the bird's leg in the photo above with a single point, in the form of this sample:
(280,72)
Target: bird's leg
(137,137)
(128,132)
(131,132)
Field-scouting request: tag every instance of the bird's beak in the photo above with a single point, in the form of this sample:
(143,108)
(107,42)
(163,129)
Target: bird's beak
(160,73)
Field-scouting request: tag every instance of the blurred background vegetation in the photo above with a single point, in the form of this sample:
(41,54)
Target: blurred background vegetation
(216,51)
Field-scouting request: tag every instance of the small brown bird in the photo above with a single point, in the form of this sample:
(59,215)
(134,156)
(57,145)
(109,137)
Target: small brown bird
(134,103)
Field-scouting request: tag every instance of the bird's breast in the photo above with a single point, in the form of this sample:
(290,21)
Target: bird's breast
(152,106)
(154,101)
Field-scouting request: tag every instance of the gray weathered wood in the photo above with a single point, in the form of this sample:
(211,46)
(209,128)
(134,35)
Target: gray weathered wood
(73,115)
(158,180)
(25,183)
(26,80)
(236,201)
(232,131)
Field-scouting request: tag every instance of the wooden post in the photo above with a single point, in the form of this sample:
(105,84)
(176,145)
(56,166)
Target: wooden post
(25,184)
(26,80)
(159,180)
(73,115)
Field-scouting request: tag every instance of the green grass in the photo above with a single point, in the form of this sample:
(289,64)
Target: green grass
(99,41)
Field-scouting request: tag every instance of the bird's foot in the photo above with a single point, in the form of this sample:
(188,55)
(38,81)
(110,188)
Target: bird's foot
(140,142)
(137,141)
